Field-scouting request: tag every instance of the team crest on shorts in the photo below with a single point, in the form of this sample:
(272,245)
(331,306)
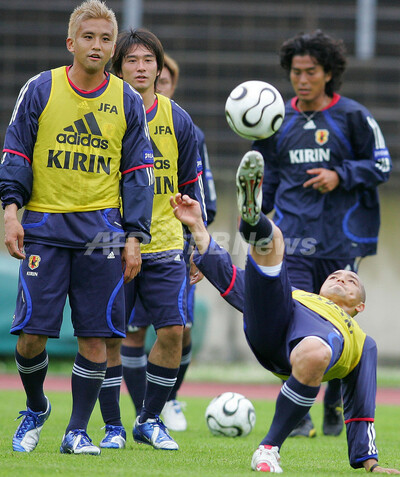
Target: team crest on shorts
(34,261)
(321,136)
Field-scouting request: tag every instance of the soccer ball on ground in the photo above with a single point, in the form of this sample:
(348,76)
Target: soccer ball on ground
(230,414)
(255,110)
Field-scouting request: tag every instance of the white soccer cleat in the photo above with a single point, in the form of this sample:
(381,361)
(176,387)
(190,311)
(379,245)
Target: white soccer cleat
(266,459)
(249,179)
(26,436)
(173,416)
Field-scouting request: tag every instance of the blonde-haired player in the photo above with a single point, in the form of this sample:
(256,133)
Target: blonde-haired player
(77,138)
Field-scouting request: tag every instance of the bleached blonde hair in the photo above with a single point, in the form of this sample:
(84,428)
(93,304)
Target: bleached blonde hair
(88,10)
(173,68)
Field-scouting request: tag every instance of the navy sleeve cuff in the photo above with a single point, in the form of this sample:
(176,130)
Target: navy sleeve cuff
(15,199)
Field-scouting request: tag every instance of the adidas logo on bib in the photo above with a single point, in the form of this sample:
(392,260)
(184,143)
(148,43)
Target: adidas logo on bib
(111,255)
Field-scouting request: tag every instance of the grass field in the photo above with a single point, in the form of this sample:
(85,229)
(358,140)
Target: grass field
(200,453)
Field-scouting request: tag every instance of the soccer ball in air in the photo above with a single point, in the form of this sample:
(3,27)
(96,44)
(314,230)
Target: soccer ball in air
(255,110)
(230,414)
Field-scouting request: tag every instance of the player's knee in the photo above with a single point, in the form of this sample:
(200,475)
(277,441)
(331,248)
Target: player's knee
(93,349)
(30,345)
(309,360)
(187,336)
(136,338)
(170,336)
(319,359)
(113,346)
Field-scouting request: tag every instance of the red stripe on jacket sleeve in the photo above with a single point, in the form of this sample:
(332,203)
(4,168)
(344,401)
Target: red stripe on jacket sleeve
(18,154)
(189,182)
(227,291)
(138,167)
(359,419)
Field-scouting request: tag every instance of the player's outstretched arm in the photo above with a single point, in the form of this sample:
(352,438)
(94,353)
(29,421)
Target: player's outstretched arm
(371,465)
(213,261)
(188,211)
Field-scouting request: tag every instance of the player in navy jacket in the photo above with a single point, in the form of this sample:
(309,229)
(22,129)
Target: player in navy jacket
(323,167)
(302,337)
(76,147)
(138,59)
(133,353)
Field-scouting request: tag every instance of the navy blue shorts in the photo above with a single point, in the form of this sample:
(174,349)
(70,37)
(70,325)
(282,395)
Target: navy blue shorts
(93,284)
(157,296)
(275,323)
(308,273)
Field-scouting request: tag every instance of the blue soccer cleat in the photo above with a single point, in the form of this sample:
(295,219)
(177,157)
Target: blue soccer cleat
(249,179)
(115,437)
(154,433)
(78,442)
(26,436)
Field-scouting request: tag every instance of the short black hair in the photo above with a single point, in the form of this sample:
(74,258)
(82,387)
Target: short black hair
(328,52)
(138,36)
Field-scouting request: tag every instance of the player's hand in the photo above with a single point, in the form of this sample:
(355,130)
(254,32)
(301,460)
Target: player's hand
(195,274)
(324,180)
(14,232)
(186,210)
(384,470)
(378,469)
(131,259)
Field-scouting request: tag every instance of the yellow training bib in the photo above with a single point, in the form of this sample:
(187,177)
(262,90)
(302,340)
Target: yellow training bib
(354,336)
(77,155)
(166,230)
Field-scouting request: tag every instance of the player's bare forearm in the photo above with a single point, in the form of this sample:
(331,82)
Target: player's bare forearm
(14,232)
(188,211)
